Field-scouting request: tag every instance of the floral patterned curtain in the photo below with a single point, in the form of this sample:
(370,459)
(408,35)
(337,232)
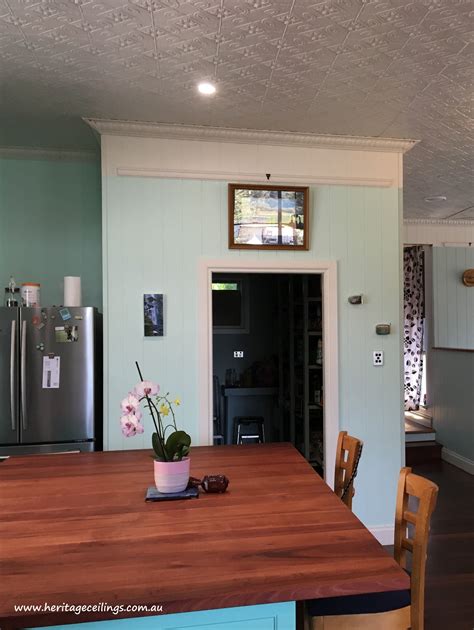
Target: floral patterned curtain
(414,299)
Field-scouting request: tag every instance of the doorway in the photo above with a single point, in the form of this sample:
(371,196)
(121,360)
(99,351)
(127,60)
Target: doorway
(268,361)
(292,385)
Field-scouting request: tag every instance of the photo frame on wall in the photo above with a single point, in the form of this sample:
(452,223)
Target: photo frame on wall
(268,217)
(153,316)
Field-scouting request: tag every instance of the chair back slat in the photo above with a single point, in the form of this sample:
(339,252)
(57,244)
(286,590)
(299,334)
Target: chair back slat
(411,485)
(410,517)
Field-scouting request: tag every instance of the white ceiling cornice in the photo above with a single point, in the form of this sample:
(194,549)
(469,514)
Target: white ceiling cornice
(39,153)
(439,222)
(248,136)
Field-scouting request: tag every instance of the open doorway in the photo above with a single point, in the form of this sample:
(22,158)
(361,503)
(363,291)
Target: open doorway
(420,436)
(268,359)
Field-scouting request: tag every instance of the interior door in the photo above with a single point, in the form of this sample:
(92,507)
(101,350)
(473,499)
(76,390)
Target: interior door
(57,376)
(9,425)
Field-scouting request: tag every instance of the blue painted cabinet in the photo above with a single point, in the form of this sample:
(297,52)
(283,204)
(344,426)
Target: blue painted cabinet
(279,616)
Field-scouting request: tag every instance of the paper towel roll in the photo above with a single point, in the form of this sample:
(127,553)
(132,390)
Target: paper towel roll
(72,291)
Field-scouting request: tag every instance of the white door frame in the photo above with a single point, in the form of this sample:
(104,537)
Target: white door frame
(328,269)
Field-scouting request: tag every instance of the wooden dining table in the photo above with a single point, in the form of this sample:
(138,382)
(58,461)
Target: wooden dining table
(75,528)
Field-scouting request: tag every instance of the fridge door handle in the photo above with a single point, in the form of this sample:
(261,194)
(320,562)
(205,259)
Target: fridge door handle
(13,375)
(23,376)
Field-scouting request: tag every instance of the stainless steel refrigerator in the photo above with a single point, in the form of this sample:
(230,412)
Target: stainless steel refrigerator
(48,379)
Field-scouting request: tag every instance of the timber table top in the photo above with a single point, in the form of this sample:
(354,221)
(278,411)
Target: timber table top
(75,528)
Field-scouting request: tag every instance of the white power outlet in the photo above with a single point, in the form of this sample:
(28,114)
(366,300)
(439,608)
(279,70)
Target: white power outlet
(238,354)
(378,358)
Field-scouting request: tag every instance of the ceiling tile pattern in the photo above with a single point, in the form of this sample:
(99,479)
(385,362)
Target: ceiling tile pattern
(394,68)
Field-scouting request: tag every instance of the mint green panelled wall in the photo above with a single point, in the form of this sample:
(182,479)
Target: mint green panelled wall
(50,226)
(155,232)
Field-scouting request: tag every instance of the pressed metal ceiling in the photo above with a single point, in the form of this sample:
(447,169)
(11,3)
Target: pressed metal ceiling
(393,68)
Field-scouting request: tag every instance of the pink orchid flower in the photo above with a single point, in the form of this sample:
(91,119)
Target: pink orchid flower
(146,388)
(131,425)
(130,404)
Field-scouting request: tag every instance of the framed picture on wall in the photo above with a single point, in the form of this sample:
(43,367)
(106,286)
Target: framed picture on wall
(268,217)
(153,314)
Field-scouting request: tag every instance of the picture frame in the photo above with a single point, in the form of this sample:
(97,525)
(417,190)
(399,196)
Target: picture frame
(153,315)
(263,216)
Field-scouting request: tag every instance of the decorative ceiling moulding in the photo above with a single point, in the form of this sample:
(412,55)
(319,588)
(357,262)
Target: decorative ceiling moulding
(439,222)
(248,136)
(38,153)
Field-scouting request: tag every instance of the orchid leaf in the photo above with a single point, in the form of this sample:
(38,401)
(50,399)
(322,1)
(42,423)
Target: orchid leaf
(177,445)
(158,447)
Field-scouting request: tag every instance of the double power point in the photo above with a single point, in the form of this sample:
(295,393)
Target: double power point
(378,358)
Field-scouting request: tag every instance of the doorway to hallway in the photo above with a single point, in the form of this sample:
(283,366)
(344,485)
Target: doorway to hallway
(268,360)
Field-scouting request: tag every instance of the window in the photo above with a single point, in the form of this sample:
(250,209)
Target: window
(229,305)
(225,286)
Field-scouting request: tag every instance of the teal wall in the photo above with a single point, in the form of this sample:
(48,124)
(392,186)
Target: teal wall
(155,231)
(50,226)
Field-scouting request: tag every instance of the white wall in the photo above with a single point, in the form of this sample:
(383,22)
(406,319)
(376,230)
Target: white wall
(437,232)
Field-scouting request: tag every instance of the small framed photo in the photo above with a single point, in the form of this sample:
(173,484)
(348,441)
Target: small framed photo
(153,314)
(268,217)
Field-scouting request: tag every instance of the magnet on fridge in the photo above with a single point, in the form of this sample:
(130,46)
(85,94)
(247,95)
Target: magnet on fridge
(37,323)
(65,314)
(79,317)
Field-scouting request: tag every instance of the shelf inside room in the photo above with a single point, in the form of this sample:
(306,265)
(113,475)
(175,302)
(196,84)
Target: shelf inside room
(304,387)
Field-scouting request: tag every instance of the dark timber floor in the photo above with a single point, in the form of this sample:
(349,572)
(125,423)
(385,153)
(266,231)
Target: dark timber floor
(449,602)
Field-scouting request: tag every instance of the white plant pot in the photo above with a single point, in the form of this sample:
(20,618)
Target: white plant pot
(172,476)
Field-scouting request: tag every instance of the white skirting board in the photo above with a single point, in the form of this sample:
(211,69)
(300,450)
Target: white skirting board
(457,460)
(383,533)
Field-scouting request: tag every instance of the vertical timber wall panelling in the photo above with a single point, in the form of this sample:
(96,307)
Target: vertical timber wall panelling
(450,378)
(453,301)
(155,232)
(50,226)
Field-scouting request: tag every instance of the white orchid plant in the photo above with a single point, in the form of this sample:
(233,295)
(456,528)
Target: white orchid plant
(169,443)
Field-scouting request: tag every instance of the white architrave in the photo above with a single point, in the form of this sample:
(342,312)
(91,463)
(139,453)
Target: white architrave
(328,269)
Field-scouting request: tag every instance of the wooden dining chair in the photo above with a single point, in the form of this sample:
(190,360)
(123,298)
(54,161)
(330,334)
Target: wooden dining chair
(393,610)
(348,452)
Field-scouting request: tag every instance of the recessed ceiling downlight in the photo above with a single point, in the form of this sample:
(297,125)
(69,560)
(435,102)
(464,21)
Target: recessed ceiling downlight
(206,88)
(435,198)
